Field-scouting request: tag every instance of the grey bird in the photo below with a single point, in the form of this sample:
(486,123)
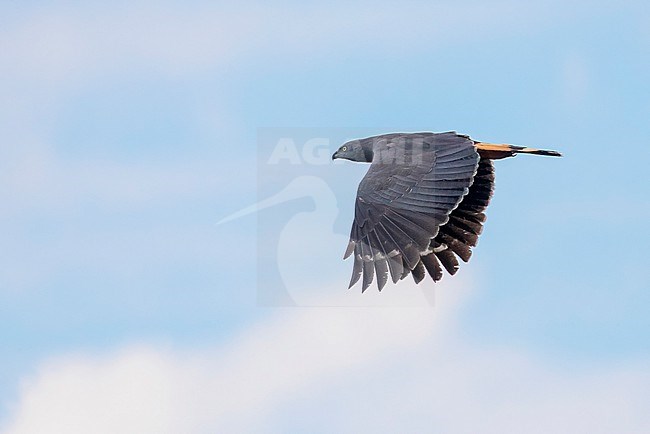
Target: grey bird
(421,205)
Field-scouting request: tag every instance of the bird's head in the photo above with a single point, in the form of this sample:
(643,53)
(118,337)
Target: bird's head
(355,150)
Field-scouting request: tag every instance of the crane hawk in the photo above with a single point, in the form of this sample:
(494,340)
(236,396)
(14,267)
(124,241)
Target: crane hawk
(421,204)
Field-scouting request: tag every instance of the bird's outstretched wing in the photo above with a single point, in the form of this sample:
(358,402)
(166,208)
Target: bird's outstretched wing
(460,233)
(404,201)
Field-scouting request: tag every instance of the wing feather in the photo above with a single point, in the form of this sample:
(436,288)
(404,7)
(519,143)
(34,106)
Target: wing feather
(366,262)
(465,223)
(401,208)
(418,272)
(448,260)
(380,259)
(433,266)
(394,252)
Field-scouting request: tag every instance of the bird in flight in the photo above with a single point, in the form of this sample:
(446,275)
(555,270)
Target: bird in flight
(421,204)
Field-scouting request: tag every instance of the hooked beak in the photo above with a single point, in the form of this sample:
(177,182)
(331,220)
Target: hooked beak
(335,155)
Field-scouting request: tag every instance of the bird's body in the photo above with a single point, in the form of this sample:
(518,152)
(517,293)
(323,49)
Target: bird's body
(421,204)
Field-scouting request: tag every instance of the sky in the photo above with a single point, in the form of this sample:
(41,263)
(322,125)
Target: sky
(173,227)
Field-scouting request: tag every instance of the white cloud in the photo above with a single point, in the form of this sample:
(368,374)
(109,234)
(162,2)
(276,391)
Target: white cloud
(376,369)
(228,388)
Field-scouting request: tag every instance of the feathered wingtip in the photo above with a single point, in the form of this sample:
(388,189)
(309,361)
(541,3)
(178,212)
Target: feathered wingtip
(349,250)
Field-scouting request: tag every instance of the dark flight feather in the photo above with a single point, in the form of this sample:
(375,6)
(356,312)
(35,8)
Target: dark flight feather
(401,207)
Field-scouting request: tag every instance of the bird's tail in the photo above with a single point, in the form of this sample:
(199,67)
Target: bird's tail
(496,151)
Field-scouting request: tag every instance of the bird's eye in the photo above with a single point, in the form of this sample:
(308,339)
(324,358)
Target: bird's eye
(344,148)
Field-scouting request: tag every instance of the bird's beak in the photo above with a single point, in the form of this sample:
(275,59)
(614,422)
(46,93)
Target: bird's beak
(335,155)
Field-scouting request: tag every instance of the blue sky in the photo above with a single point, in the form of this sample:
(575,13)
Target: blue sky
(129,130)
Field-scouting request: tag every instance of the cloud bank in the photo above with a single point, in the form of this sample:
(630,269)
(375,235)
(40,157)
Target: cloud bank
(376,369)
